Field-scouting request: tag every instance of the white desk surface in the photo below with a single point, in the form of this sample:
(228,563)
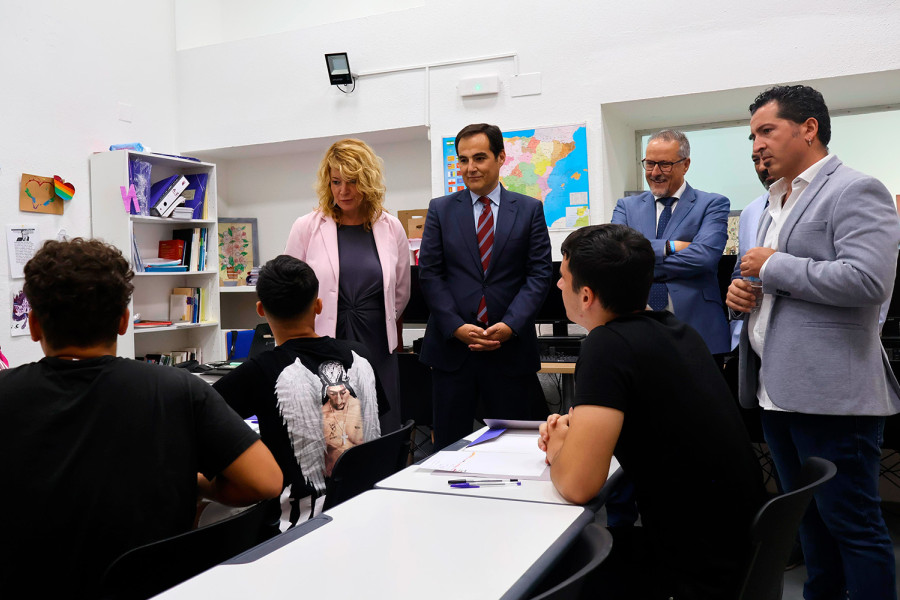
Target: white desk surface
(417,479)
(394,544)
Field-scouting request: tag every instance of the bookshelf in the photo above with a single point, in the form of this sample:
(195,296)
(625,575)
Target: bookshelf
(112,223)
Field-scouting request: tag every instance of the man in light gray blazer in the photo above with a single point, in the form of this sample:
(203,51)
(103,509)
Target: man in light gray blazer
(810,353)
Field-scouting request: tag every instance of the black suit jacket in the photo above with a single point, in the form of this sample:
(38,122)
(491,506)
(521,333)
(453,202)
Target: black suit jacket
(453,282)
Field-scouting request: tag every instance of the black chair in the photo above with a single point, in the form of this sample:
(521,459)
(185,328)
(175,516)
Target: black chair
(153,568)
(774,529)
(359,468)
(586,554)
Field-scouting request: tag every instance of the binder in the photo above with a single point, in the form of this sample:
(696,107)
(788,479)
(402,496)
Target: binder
(195,193)
(186,235)
(164,195)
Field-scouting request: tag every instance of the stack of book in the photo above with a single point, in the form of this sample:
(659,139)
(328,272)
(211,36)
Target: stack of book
(173,357)
(163,265)
(186,305)
(195,241)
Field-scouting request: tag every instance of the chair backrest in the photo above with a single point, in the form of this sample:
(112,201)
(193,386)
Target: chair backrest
(359,468)
(774,529)
(153,568)
(587,553)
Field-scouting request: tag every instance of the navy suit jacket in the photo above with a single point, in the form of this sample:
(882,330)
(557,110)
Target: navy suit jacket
(691,276)
(514,285)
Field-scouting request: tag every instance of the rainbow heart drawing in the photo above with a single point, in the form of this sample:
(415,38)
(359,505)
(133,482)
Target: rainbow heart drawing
(63,190)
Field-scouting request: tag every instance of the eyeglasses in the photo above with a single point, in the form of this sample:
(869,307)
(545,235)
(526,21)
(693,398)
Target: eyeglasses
(664,165)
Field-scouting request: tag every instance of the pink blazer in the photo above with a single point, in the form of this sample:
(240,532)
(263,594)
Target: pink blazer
(313,239)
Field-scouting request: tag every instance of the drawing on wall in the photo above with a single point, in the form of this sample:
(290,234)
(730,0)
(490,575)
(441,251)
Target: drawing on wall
(546,163)
(238,250)
(19,321)
(22,241)
(38,194)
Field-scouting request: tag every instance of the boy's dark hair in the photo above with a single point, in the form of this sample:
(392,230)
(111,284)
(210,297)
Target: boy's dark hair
(494,136)
(797,103)
(78,291)
(615,261)
(287,287)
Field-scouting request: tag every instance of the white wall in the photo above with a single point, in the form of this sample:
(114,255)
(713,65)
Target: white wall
(617,66)
(65,67)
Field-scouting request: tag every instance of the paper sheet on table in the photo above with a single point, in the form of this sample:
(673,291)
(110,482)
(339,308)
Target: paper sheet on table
(507,464)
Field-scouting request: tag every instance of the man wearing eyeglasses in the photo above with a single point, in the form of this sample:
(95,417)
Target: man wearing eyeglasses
(687,230)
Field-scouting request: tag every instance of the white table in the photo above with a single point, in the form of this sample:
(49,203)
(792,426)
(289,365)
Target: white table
(394,544)
(418,479)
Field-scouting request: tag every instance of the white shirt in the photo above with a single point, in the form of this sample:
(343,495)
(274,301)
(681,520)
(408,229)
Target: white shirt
(660,206)
(759,319)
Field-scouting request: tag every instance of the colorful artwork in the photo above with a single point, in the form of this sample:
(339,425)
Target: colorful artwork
(20,308)
(38,194)
(238,250)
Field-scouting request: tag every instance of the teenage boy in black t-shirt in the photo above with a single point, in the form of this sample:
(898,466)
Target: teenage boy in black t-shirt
(314,396)
(648,391)
(101,454)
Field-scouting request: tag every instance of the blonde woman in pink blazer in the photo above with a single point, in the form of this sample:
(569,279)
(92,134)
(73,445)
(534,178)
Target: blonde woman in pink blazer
(360,255)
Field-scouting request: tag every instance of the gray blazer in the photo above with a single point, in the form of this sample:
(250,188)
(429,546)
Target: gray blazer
(835,265)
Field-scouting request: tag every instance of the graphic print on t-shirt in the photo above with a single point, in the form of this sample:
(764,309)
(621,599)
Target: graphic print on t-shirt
(327,412)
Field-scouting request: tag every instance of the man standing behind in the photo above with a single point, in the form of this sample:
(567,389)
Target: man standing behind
(688,230)
(810,354)
(648,391)
(748,225)
(101,454)
(484,269)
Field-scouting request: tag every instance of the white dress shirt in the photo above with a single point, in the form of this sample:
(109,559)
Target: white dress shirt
(759,319)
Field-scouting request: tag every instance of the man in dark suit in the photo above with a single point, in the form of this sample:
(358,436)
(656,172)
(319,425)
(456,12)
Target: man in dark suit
(688,230)
(484,269)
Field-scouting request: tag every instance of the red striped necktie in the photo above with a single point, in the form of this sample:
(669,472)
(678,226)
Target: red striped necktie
(485,233)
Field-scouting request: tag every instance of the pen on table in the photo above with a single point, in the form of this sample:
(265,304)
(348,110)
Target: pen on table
(483,484)
(452,481)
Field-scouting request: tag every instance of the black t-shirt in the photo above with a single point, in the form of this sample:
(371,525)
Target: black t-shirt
(100,456)
(284,389)
(683,443)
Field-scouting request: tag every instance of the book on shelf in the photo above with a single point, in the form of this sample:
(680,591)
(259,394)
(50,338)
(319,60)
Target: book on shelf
(136,263)
(195,194)
(171,249)
(181,308)
(164,195)
(145,323)
(185,301)
(185,235)
(172,357)
(163,265)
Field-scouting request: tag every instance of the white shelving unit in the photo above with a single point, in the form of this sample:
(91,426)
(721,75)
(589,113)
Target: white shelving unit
(112,223)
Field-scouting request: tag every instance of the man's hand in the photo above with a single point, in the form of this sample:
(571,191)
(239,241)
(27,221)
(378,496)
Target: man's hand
(552,434)
(740,296)
(753,260)
(499,332)
(680,245)
(475,338)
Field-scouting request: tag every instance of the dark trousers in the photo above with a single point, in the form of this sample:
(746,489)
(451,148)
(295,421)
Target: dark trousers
(845,540)
(483,377)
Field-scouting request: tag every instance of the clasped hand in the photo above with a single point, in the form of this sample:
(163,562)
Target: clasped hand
(552,434)
(483,340)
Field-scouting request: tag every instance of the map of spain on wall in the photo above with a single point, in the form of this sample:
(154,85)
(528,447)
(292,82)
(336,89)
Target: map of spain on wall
(548,163)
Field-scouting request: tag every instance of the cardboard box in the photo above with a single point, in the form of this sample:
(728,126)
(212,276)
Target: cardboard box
(413,221)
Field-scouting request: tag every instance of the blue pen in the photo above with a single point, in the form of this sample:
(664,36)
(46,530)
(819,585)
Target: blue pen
(492,484)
